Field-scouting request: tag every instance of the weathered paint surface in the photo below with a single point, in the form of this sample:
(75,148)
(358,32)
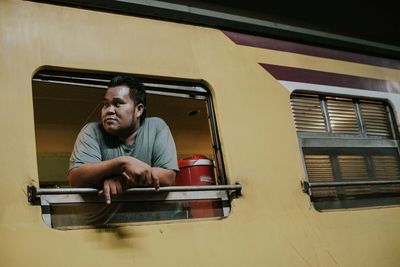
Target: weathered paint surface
(273,224)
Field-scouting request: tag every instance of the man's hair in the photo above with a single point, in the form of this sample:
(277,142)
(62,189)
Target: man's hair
(137,91)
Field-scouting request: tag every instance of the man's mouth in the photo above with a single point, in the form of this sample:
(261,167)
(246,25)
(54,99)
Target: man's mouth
(110,119)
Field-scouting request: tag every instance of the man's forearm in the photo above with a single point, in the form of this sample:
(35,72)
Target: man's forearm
(93,174)
(165,177)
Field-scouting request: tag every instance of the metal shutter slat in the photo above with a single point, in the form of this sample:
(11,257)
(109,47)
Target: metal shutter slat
(342,116)
(353,167)
(375,119)
(308,116)
(319,169)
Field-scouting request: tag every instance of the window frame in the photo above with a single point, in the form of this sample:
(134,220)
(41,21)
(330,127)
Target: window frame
(168,87)
(329,142)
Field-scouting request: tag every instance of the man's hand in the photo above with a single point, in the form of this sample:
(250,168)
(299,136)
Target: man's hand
(126,172)
(139,173)
(113,187)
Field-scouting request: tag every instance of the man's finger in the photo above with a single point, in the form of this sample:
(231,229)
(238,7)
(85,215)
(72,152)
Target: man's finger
(156,184)
(126,176)
(113,187)
(142,179)
(119,187)
(149,178)
(106,191)
(129,180)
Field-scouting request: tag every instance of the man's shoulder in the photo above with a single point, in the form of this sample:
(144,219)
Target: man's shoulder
(155,122)
(154,125)
(92,126)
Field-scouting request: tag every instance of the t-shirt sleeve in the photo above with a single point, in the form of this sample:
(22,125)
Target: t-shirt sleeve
(164,150)
(86,148)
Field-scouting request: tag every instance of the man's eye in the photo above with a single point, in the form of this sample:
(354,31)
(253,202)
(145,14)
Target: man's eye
(117,104)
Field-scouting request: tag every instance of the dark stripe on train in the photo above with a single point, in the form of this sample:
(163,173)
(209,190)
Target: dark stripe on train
(274,44)
(329,78)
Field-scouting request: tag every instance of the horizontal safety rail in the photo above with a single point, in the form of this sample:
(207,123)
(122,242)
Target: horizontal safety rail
(33,192)
(307,186)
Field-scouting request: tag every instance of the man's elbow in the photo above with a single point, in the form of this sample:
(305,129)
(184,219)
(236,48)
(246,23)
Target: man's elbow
(172,178)
(73,178)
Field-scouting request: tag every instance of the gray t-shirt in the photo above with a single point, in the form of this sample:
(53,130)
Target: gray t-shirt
(154,145)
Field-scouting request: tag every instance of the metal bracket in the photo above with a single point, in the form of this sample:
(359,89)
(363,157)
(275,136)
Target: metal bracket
(305,187)
(238,191)
(31,193)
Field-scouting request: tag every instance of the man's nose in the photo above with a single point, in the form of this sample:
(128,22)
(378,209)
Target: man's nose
(110,109)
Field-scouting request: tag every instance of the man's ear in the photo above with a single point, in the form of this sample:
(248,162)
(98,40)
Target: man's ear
(140,109)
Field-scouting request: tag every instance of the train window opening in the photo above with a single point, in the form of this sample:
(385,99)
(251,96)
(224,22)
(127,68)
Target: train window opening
(350,150)
(65,101)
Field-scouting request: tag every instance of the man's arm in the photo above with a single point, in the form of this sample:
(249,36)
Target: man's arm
(93,174)
(117,185)
(137,172)
(163,176)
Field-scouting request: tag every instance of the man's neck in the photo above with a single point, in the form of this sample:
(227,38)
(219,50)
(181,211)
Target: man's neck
(130,139)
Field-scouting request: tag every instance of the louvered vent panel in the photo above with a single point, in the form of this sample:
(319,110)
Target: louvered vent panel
(342,116)
(353,167)
(375,118)
(354,191)
(386,167)
(307,112)
(363,121)
(319,169)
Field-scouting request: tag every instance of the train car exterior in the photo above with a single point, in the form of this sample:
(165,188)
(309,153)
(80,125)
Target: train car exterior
(253,83)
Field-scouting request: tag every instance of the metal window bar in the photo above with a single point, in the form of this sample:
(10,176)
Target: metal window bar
(325,114)
(307,186)
(391,122)
(33,192)
(359,117)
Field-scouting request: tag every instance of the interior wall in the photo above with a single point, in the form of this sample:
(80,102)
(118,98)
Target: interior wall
(62,110)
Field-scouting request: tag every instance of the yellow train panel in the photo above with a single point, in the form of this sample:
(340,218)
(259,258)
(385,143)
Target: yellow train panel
(272,224)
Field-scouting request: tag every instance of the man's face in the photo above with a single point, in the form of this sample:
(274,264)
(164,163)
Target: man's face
(119,114)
